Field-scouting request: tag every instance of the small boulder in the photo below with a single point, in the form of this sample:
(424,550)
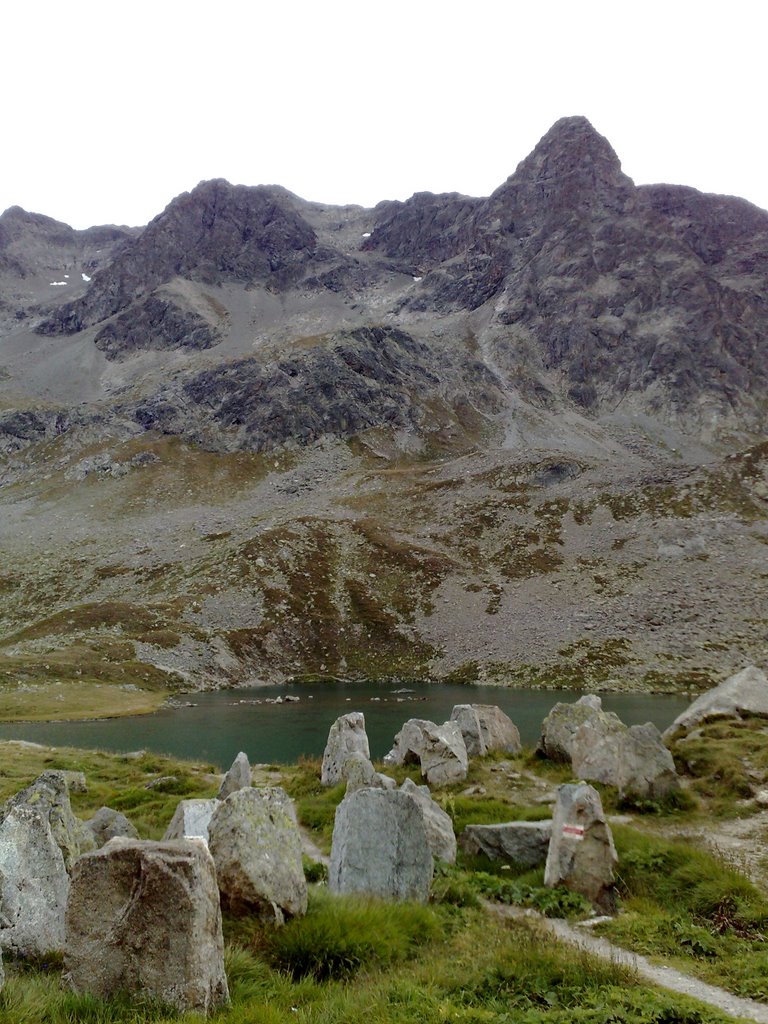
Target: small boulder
(190,819)
(238,777)
(633,759)
(34,884)
(346,736)
(360,774)
(380,847)
(498,730)
(558,728)
(745,693)
(108,824)
(256,846)
(468,721)
(144,918)
(437,824)
(581,853)
(438,749)
(76,781)
(49,796)
(523,843)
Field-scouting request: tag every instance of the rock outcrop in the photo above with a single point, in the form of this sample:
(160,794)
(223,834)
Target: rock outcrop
(34,884)
(581,853)
(438,749)
(745,693)
(238,777)
(143,918)
(255,842)
(347,736)
(380,847)
(523,843)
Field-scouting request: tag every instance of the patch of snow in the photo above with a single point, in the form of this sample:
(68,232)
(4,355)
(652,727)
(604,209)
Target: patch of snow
(85,277)
(57,284)
(366,234)
(66,275)
(418,279)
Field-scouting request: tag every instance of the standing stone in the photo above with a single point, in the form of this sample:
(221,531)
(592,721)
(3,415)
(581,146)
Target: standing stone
(380,847)
(469,723)
(439,750)
(562,722)
(437,824)
(144,918)
(108,824)
(346,736)
(191,819)
(34,885)
(634,759)
(581,855)
(498,730)
(49,796)
(523,843)
(238,777)
(256,845)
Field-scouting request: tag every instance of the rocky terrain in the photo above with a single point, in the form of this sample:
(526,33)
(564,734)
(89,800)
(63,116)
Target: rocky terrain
(519,438)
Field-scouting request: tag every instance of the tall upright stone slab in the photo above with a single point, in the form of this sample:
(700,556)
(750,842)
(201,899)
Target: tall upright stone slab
(48,795)
(581,854)
(497,729)
(256,846)
(380,847)
(347,736)
(471,730)
(238,777)
(34,885)
(144,918)
(561,724)
(190,819)
(437,823)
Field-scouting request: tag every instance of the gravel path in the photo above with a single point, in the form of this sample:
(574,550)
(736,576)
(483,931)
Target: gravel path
(666,977)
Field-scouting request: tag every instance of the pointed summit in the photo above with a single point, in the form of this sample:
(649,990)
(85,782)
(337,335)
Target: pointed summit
(570,146)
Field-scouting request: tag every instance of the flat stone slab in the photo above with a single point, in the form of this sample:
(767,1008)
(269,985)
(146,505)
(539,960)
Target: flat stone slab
(524,843)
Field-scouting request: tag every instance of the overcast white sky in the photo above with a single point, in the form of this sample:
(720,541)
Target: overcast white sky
(111,109)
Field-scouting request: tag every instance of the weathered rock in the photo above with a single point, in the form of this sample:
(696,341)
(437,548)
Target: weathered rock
(524,843)
(581,853)
(238,777)
(380,847)
(745,693)
(468,721)
(34,884)
(190,819)
(438,749)
(498,730)
(109,824)
(49,796)
(633,759)
(437,824)
(255,843)
(144,918)
(558,728)
(346,736)
(76,781)
(360,774)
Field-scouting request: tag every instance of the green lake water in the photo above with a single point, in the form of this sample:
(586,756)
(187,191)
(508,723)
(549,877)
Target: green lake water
(227,721)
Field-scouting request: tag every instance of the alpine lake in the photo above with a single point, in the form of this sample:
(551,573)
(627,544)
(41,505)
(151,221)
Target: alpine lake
(213,727)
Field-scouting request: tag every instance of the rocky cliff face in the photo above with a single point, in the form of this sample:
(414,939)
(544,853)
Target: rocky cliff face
(491,436)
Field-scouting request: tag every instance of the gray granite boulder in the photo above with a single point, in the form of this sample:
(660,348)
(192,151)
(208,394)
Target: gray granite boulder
(634,759)
(34,884)
(438,749)
(467,719)
(190,819)
(256,846)
(437,823)
(144,918)
(360,774)
(380,847)
(49,796)
(347,736)
(109,824)
(581,853)
(745,693)
(238,777)
(524,843)
(562,722)
(498,730)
